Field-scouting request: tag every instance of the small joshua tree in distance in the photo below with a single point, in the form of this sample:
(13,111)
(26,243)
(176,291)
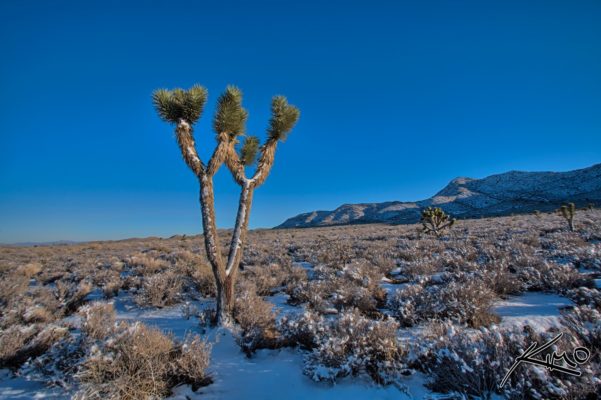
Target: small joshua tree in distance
(435,221)
(567,211)
(183,108)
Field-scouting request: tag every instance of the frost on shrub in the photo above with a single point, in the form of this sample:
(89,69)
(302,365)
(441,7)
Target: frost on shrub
(538,274)
(403,304)
(138,362)
(303,330)
(98,320)
(467,301)
(20,343)
(256,318)
(161,290)
(191,361)
(353,344)
(584,324)
(474,363)
(332,290)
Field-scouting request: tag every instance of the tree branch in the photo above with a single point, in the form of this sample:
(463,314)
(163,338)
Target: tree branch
(219,155)
(235,165)
(265,163)
(185,140)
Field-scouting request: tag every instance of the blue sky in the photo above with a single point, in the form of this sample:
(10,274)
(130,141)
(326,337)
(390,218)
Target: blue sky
(397,98)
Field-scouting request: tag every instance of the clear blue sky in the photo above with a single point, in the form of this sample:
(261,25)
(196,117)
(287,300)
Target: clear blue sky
(397,98)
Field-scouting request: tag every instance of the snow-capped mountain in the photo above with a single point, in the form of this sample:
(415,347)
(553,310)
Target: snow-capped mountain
(508,193)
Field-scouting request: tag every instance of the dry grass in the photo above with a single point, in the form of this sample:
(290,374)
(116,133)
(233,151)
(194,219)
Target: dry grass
(451,281)
(142,363)
(161,290)
(257,321)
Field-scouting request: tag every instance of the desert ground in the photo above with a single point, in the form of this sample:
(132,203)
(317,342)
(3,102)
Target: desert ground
(349,312)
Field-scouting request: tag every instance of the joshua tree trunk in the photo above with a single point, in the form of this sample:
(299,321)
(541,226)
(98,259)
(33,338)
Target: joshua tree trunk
(184,108)
(224,302)
(226,285)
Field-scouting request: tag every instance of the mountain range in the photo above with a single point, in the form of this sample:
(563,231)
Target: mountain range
(508,193)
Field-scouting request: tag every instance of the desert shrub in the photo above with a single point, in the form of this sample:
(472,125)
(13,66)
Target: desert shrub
(332,290)
(191,361)
(403,304)
(303,330)
(473,363)
(30,269)
(584,324)
(501,280)
(419,268)
(353,344)
(146,263)
(20,343)
(98,320)
(194,266)
(358,286)
(38,313)
(161,290)
(71,295)
(12,340)
(335,253)
(467,301)
(584,296)
(109,280)
(111,287)
(538,274)
(139,362)
(11,287)
(203,279)
(257,321)
(266,278)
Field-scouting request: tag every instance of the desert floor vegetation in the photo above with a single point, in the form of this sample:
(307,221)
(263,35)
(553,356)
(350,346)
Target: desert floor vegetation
(389,309)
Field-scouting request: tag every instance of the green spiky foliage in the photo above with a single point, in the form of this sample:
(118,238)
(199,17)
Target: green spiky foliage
(249,150)
(435,221)
(179,104)
(283,118)
(567,211)
(230,116)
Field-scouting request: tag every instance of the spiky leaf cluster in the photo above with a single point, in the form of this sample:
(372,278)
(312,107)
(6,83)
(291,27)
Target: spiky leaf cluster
(249,150)
(177,104)
(434,213)
(283,118)
(435,220)
(230,116)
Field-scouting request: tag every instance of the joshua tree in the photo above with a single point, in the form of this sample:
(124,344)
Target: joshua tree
(435,221)
(567,211)
(183,108)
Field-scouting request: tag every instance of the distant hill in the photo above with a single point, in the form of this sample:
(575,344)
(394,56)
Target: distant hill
(55,243)
(503,194)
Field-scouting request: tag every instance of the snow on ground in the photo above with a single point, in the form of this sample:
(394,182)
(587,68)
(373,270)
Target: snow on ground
(19,388)
(539,310)
(269,374)
(277,374)
(390,286)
